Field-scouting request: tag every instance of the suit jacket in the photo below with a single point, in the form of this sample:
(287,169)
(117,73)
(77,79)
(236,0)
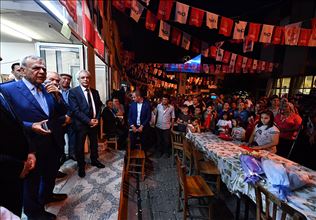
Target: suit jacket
(29,111)
(80,107)
(13,145)
(110,122)
(145,114)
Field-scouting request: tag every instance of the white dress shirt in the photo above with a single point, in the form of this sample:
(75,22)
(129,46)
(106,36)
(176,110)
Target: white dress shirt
(139,110)
(92,100)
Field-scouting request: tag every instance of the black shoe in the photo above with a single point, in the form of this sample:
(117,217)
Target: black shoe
(61,175)
(56,197)
(97,164)
(81,172)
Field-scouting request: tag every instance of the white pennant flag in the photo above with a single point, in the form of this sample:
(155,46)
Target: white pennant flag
(244,62)
(136,10)
(205,49)
(292,33)
(232,62)
(181,13)
(211,20)
(220,54)
(239,30)
(164,30)
(266,33)
(186,40)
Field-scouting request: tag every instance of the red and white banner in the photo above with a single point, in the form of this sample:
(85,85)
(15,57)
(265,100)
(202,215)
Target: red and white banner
(249,63)
(164,30)
(232,62)
(244,62)
(164,9)
(218,68)
(239,30)
(196,17)
(213,51)
(176,36)
(226,57)
(181,13)
(205,49)
(136,10)
(278,35)
(312,39)
(99,45)
(292,33)
(88,27)
(211,20)
(151,21)
(71,7)
(248,45)
(226,26)
(254,31)
(266,33)
(305,35)
(186,40)
(238,62)
(219,54)
(255,64)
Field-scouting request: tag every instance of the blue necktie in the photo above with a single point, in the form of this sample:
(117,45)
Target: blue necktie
(39,96)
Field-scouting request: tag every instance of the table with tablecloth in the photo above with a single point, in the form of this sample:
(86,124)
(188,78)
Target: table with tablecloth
(226,155)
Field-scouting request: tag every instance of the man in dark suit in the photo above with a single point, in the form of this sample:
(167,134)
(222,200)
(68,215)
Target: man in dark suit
(138,118)
(85,105)
(42,111)
(15,159)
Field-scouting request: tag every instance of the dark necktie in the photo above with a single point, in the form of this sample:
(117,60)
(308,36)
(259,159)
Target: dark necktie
(90,103)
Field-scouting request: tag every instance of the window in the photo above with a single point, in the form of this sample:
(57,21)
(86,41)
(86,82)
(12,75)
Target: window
(281,86)
(307,82)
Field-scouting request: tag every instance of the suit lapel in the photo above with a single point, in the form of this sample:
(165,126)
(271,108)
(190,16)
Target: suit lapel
(28,95)
(83,97)
(50,101)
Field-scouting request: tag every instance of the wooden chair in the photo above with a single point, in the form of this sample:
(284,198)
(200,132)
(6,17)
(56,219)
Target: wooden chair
(177,143)
(206,167)
(136,159)
(187,154)
(278,206)
(112,140)
(192,187)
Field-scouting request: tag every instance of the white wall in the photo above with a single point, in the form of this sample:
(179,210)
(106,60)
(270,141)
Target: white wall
(12,53)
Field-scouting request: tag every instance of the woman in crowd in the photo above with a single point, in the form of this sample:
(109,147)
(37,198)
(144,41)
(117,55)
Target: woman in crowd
(275,104)
(288,121)
(238,132)
(224,124)
(265,135)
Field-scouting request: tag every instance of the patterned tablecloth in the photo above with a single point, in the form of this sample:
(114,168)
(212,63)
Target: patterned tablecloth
(226,155)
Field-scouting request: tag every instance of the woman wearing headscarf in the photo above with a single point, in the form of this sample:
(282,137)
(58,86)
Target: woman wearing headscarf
(289,122)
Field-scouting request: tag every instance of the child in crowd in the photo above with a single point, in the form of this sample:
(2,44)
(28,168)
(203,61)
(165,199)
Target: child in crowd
(195,126)
(209,116)
(184,118)
(265,135)
(238,132)
(224,124)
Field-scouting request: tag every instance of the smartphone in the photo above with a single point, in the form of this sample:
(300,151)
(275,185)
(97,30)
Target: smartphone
(44,126)
(213,97)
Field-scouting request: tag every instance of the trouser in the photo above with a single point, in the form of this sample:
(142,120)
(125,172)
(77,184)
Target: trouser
(142,136)
(11,193)
(71,140)
(81,135)
(40,183)
(164,140)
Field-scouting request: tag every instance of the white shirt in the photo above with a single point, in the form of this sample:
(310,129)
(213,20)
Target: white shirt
(224,123)
(264,136)
(92,100)
(165,115)
(139,110)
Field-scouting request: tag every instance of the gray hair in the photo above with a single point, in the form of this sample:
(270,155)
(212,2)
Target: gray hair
(82,71)
(31,57)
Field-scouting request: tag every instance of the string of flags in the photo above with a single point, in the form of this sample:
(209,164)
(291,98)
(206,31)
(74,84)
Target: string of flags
(231,62)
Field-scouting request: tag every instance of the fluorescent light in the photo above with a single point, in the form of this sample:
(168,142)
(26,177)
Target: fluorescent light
(21,29)
(14,33)
(54,10)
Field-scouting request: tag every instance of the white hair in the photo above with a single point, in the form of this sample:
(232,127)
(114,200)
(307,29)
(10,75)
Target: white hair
(82,71)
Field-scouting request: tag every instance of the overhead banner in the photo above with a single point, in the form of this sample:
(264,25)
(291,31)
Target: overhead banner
(151,21)
(266,33)
(239,30)
(292,33)
(181,13)
(186,39)
(164,10)
(196,17)
(226,26)
(278,35)
(164,30)
(254,31)
(211,20)
(136,10)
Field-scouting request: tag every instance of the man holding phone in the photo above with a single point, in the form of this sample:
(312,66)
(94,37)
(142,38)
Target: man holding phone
(85,105)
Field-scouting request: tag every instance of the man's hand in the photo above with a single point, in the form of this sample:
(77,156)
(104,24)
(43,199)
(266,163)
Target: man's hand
(37,128)
(93,123)
(67,120)
(29,165)
(134,129)
(140,129)
(51,88)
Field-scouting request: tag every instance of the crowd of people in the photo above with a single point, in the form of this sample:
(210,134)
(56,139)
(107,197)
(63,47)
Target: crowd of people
(40,114)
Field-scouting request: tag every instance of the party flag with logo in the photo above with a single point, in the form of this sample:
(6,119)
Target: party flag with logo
(278,35)
(266,33)
(186,40)
(239,30)
(181,13)
(292,33)
(226,57)
(136,10)
(164,30)
(220,54)
(254,31)
(305,35)
(196,17)
(211,20)
(164,9)
(226,26)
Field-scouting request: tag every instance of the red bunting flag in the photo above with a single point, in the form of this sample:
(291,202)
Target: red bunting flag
(181,13)
(186,40)
(218,69)
(304,37)
(119,5)
(151,21)
(266,33)
(244,62)
(226,26)
(99,44)
(196,45)
(312,39)
(71,7)
(278,35)
(255,64)
(254,31)
(211,20)
(212,68)
(225,68)
(226,57)
(239,30)
(292,33)
(176,36)
(136,10)
(164,9)
(248,45)
(213,52)
(164,30)
(239,62)
(88,27)
(232,62)
(249,63)
(196,17)
(219,54)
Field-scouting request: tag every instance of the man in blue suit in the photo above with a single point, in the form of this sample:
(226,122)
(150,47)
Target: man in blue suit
(42,111)
(85,105)
(138,118)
